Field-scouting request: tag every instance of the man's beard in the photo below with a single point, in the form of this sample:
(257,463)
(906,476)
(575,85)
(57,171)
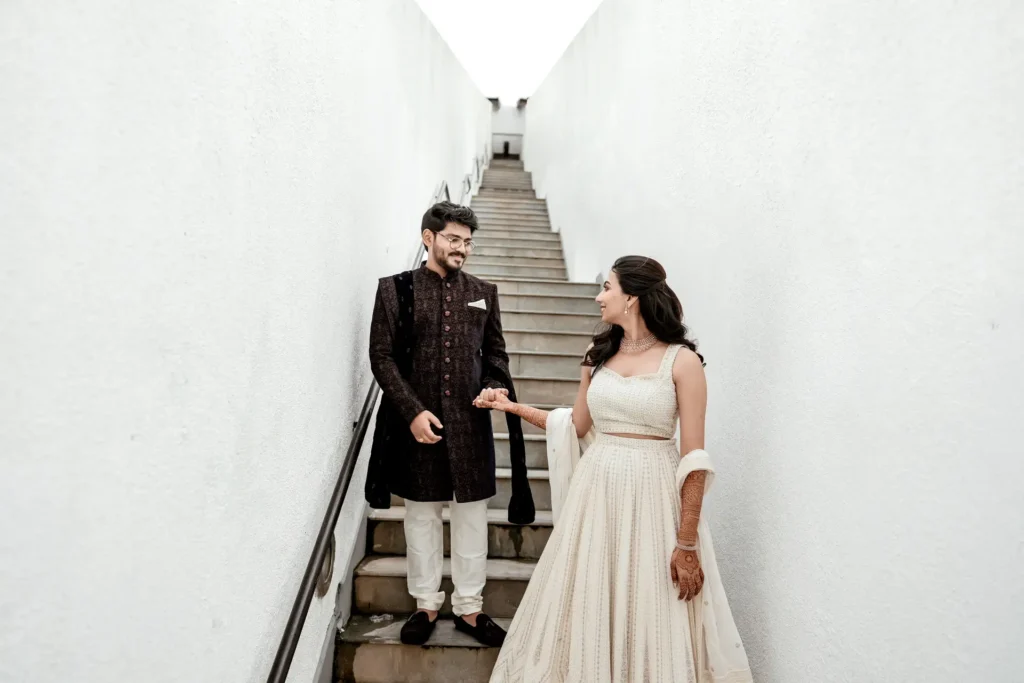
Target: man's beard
(445,259)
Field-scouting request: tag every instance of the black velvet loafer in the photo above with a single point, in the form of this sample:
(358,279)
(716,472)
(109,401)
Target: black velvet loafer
(485,631)
(418,629)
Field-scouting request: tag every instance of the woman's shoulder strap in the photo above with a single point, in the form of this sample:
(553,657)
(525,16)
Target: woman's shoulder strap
(669,360)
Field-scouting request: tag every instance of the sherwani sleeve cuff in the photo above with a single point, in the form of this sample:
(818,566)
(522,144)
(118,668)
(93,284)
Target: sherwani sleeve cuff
(408,407)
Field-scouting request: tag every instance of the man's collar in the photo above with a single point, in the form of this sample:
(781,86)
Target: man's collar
(451,277)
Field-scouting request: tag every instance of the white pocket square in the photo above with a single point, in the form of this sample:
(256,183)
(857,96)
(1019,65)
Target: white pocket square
(481,304)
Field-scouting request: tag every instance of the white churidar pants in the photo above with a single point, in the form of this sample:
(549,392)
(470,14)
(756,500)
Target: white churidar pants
(424,538)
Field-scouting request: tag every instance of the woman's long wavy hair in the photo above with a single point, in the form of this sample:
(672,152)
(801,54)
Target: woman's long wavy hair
(660,308)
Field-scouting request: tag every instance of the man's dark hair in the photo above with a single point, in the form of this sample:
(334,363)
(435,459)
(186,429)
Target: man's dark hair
(443,213)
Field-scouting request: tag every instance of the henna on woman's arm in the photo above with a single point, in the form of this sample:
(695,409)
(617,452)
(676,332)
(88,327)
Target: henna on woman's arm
(535,416)
(692,497)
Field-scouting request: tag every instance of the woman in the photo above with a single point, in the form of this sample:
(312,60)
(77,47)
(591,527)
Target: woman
(627,590)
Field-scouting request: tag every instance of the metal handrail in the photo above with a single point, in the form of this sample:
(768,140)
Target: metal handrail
(325,538)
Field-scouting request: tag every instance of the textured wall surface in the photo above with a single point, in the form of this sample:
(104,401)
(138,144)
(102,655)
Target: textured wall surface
(196,199)
(835,190)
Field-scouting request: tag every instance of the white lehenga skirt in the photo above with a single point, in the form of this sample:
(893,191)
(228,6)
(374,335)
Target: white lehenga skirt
(601,607)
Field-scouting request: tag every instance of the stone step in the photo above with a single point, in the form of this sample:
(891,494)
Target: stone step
(521,220)
(546,340)
(520,253)
(485,235)
(507,193)
(513,217)
(506,180)
(512,210)
(513,172)
(534,222)
(503,224)
(564,365)
(481,260)
(369,652)
(524,206)
(504,185)
(516,234)
(488,271)
(536,444)
(546,287)
(515,230)
(515,207)
(541,302)
(380,586)
(554,322)
(548,390)
(536,456)
(485,246)
(386,534)
(539,485)
(500,202)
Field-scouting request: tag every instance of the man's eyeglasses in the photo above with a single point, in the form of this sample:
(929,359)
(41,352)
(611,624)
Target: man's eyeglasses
(457,242)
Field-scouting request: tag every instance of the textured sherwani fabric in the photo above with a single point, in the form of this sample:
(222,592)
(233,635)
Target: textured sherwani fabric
(454,349)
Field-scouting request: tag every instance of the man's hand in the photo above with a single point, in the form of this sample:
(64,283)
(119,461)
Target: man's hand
(500,401)
(489,397)
(421,430)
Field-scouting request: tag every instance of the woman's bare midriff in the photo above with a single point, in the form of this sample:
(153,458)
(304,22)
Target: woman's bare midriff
(645,437)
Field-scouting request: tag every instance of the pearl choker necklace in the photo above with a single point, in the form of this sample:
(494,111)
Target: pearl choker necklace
(638,345)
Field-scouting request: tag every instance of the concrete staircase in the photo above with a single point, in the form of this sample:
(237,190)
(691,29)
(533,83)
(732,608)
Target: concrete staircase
(548,323)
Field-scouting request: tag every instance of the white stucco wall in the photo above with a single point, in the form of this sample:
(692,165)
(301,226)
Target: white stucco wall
(195,201)
(836,193)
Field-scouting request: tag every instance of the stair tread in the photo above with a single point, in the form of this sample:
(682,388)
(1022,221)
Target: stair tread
(523,330)
(498,436)
(542,378)
(575,297)
(395,567)
(362,629)
(496,516)
(558,354)
(541,280)
(529,311)
(531,474)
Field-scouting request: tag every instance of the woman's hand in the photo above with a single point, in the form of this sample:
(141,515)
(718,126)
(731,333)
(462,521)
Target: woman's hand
(687,575)
(493,399)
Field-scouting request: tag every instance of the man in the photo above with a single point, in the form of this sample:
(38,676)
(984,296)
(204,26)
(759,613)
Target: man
(435,346)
